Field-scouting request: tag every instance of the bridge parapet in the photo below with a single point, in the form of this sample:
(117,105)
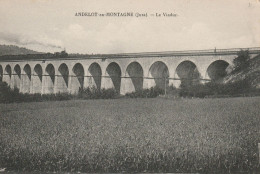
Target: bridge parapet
(208,52)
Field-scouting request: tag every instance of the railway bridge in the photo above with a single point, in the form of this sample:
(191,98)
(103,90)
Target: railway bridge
(126,72)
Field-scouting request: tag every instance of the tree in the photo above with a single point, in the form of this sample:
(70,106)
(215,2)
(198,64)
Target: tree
(242,60)
(61,54)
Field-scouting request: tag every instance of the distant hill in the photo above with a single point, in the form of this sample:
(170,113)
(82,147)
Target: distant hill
(252,73)
(15,50)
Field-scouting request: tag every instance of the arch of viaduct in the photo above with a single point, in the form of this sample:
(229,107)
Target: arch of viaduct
(124,73)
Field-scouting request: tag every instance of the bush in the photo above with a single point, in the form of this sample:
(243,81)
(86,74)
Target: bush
(94,93)
(212,88)
(242,61)
(243,87)
(8,95)
(146,93)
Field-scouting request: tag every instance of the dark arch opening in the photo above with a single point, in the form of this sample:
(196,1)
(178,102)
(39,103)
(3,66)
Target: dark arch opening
(78,70)
(96,73)
(51,72)
(1,73)
(26,85)
(38,71)
(17,76)
(64,71)
(135,72)
(160,73)
(49,79)
(188,73)
(17,70)
(37,79)
(8,70)
(7,74)
(217,70)
(114,72)
(27,70)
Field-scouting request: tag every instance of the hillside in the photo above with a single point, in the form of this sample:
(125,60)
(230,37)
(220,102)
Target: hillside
(15,50)
(252,73)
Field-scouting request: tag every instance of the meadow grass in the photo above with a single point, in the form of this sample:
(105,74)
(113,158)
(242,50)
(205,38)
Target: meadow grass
(131,135)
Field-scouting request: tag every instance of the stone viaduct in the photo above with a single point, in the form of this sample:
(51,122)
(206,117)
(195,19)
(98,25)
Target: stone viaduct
(124,72)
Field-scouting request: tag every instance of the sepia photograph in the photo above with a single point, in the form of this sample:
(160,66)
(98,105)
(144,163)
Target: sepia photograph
(130,86)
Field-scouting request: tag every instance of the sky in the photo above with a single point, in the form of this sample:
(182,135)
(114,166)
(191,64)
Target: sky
(51,25)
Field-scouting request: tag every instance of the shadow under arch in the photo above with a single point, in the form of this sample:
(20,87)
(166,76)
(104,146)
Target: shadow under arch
(63,78)
(114,73)
(95,75)
(17,76)
(159,72)
(37,78)
(188,73)
(7,74)
(49,79)
(216,71)
(26,79)
(77,80)
(135,71)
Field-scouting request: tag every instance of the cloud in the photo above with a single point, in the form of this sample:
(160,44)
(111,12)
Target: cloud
(75,31)
(199,25)
(41,40)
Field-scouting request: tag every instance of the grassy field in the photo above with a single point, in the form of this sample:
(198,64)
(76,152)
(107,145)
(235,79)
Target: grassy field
(132,135)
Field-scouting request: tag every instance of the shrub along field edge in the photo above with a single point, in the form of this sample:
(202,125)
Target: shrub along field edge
(207,90)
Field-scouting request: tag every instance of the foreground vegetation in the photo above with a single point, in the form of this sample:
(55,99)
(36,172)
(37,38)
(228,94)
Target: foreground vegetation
(8,95)
(211,89)
(132,135)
